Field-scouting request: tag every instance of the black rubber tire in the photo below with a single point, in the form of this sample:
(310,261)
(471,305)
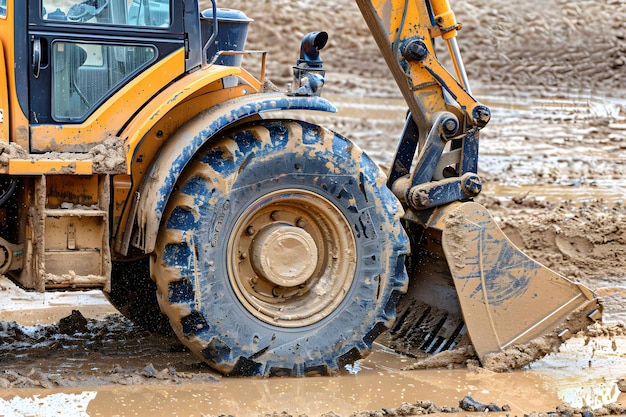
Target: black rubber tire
(240,175)
(133,293)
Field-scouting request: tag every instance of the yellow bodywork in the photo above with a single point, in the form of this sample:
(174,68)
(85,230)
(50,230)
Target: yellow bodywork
(108,119)
(49,166)
(15,124)
(78,177)
(5,122)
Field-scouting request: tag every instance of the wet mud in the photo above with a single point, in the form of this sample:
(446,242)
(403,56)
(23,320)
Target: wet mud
(80,352)
(113,367)
(553,165)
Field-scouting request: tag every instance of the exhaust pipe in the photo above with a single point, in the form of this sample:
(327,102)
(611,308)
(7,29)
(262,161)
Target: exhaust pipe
(308,73)
(310,48)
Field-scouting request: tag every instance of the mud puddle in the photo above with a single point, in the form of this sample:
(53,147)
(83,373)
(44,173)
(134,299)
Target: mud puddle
(380,384)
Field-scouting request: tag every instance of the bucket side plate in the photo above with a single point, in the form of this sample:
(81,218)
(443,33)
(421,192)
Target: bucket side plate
(507,299)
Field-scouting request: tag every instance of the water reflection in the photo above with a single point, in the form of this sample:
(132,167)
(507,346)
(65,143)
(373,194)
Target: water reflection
(585,372)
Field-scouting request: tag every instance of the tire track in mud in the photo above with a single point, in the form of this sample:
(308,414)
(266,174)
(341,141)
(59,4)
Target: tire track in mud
(80,352)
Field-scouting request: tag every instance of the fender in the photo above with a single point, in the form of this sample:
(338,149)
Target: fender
(165,170)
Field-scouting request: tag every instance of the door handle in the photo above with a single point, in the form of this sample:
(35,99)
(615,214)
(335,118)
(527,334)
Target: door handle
(36,57)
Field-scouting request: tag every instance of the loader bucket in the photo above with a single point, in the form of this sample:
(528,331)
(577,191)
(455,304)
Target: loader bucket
(477,284)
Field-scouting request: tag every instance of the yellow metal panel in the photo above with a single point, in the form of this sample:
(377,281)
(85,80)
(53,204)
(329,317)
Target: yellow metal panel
(48,166)
(170,98)
(121,189)
(15,117)
(76,189)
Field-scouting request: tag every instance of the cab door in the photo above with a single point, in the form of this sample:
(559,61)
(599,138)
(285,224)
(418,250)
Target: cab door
(83,54)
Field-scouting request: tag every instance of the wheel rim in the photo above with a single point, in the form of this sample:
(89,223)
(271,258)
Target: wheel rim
(291,258)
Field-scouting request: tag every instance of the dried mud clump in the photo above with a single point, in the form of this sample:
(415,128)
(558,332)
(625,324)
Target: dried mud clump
(109,157)
(613,409)
(455,358)
(467,404)
(418,408)
(518,356)
(10,151)
(72,324)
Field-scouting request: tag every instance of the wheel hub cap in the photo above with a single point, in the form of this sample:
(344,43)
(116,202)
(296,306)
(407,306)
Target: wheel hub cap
(292,258)
(284,255)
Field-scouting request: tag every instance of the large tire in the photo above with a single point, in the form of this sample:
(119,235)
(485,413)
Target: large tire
(133,293)
(281,252)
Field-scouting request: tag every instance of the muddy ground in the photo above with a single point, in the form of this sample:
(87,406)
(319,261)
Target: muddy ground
(553,160)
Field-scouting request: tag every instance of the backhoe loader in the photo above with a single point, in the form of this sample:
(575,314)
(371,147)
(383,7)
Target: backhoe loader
(139,156)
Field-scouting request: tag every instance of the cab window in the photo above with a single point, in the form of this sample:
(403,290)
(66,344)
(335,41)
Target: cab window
(85,73)
(144,13)
(3,8)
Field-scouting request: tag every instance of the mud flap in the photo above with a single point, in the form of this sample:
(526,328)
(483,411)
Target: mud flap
(507,299)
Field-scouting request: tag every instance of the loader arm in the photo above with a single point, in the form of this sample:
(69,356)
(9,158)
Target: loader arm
(466,276)
(445,118)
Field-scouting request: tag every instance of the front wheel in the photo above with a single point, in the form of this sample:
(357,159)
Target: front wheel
(281,252)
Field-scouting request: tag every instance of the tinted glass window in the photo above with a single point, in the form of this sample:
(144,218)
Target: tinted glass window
(151,13)
(85,73)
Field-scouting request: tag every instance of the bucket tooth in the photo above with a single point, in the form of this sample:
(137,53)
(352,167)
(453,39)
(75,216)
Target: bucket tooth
(429,315)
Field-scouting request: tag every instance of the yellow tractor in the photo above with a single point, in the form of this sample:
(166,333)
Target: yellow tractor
(139,157)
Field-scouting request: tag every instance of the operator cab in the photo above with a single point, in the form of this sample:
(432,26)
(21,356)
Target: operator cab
(77,61)
(82,53)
